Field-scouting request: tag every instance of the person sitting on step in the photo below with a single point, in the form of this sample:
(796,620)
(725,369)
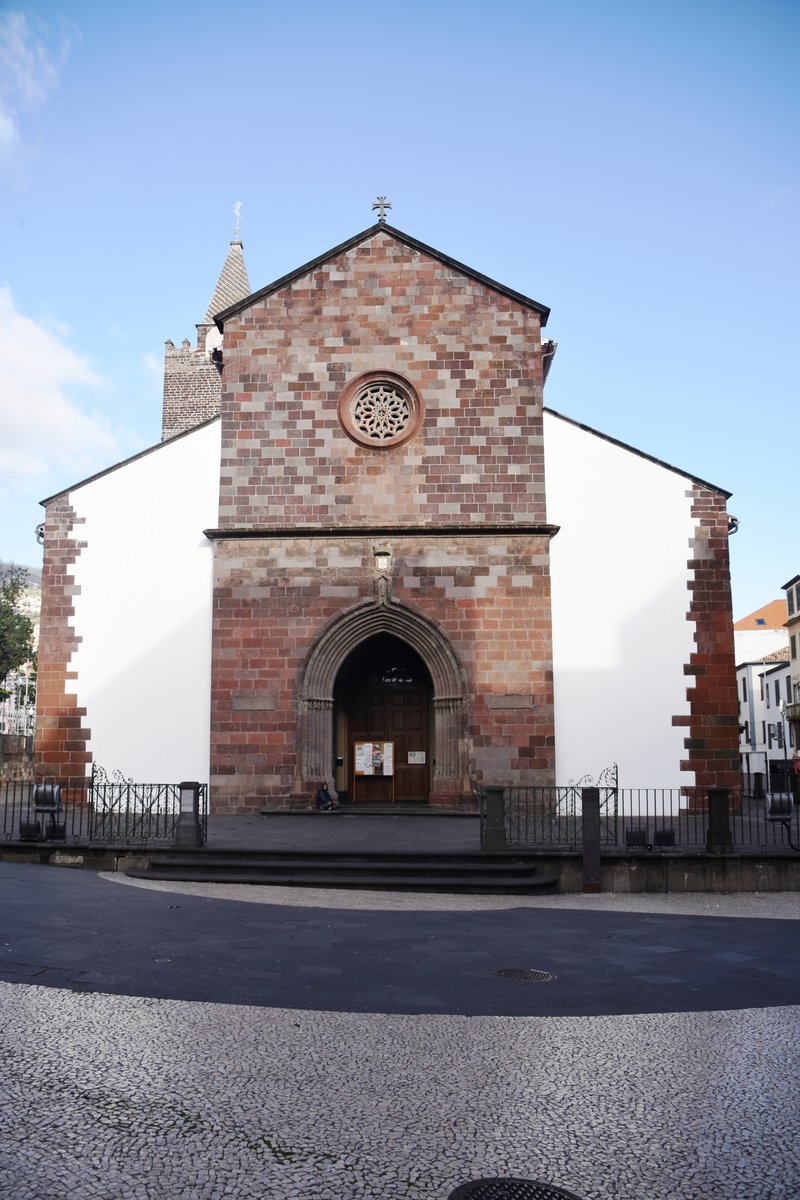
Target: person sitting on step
(325,801)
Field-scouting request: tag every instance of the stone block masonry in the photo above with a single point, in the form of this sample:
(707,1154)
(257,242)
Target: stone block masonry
(274,599)
(473,356)
(461,503)
(192,388)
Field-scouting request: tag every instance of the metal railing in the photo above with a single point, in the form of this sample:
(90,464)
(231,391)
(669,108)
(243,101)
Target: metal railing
(93,812)
(640,819)
(18,704)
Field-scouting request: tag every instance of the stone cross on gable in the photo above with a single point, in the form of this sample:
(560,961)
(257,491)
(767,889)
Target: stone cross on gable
(382,204)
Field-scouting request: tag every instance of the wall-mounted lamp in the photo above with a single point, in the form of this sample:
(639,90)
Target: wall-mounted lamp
(382,557)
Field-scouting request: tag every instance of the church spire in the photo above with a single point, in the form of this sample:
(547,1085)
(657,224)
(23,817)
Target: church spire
(233,283)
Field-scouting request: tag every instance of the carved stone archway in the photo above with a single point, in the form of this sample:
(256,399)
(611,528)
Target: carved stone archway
(450,776)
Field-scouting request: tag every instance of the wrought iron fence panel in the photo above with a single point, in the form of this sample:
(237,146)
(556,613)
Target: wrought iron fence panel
(771,822)
(635,820)
(553,816)
(130,812)
(609,815)
(45,810)
(86,811)
(13,808)
(542,816)
(661,818)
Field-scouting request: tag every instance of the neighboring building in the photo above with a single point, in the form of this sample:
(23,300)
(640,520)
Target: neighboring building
(363,534)
(766,738)
(770,616)
(761,632)
(18,689)
(792,589)
(18,703)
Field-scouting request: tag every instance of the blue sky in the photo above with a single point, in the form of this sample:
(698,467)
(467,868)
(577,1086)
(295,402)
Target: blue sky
(634,166)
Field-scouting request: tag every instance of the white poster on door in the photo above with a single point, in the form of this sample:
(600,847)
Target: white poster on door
(374,758)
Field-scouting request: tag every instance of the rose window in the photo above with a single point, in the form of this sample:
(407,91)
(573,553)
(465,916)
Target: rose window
(380,410)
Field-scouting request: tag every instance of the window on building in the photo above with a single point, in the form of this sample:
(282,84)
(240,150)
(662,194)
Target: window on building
(760,621)
(763,731)
(761,687)
(762,691)
(790,600)
(797,597)
(777,692)
(747,731)
(793,645)
(744,688)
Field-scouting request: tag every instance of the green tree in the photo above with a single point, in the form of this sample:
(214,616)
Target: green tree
(16,630)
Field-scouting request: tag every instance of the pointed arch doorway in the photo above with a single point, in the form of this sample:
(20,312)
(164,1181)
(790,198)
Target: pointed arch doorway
(383,693)
(322,742)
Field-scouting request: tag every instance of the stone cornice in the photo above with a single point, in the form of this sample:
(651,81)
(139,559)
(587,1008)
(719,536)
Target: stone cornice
(380,531)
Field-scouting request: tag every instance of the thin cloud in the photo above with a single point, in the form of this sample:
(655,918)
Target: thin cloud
(8,134)
(785,197)
(45,432)
(153,365)
(30,69)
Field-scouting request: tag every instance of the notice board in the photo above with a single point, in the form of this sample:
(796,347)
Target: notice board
(373,758)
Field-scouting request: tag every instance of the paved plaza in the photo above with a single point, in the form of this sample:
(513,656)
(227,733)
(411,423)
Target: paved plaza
(202,1040)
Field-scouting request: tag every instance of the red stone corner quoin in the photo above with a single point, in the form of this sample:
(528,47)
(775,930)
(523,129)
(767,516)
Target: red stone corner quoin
(62,736)
(300,503)
(712,742)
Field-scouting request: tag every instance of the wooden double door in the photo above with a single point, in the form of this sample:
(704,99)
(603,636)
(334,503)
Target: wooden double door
(384,695)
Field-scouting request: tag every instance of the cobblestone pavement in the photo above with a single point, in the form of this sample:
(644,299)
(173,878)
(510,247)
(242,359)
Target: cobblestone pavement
(106,1094)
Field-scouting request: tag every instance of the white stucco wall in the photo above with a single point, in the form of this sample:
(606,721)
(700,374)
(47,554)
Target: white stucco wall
(620,602)
(751,645)
(143,610)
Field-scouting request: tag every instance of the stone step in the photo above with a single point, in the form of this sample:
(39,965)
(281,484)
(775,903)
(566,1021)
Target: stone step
(457,872)
(467,884)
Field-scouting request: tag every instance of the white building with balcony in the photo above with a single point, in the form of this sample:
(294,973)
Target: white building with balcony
(792,589)
(767,737)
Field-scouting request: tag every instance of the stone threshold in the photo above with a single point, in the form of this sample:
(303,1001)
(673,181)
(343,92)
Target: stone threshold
(370,810)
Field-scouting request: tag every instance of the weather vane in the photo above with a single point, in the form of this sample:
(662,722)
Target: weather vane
(381,203)
(237,229)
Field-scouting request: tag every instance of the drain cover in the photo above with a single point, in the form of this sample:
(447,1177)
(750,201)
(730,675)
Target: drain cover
(526,975)
(510,1189)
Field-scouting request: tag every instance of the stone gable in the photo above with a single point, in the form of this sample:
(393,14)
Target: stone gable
(473,355)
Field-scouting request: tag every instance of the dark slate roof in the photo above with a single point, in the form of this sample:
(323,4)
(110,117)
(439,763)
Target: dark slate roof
(233,283)
(407,240)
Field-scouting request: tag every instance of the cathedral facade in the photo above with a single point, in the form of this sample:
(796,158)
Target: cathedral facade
(365,552)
